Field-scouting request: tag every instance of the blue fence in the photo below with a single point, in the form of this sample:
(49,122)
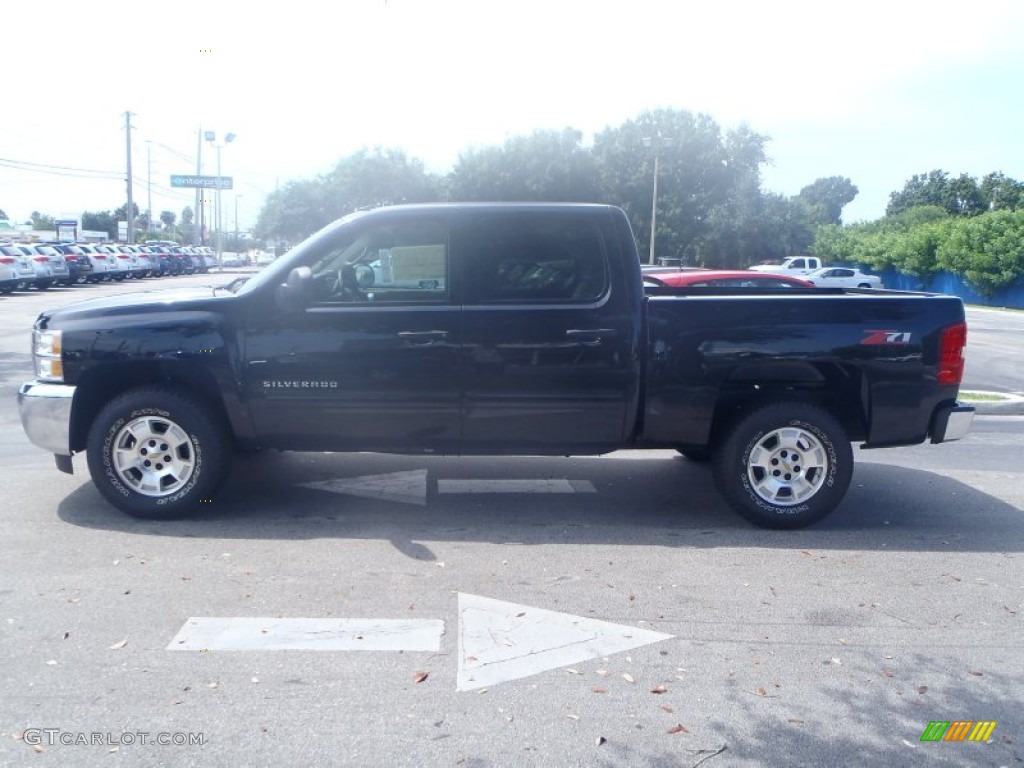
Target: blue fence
(947,282)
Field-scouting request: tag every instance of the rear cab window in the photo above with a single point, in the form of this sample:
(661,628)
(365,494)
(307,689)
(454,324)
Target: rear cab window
(546,258)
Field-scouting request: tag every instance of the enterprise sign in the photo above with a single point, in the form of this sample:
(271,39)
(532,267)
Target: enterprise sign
(204,182)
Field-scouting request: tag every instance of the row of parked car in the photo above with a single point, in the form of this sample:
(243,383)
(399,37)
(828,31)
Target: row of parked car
(41,265)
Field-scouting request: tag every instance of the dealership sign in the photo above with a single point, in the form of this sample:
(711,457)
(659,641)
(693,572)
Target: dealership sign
(202,182)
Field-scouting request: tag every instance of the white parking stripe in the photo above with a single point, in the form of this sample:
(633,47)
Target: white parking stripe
(204,633)
(549,485)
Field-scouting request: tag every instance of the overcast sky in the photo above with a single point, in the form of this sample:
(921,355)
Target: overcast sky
(875,91)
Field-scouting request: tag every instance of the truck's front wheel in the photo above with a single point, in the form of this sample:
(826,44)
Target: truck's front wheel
(785,465)
(155,453)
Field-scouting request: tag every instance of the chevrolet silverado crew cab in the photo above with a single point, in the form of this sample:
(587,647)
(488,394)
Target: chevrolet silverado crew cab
(491,329)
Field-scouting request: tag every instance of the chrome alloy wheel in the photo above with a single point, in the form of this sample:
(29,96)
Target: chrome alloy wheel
(787,466)
(153,456)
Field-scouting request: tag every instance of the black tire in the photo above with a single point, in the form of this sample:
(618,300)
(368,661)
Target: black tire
(698,455)
(786,465)
(186,445)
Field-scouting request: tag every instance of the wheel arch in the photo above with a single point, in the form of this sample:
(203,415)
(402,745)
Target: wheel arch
(840,390)
(100,385)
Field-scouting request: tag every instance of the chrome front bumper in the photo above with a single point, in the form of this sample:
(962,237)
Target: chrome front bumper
(952,423)
(46,415)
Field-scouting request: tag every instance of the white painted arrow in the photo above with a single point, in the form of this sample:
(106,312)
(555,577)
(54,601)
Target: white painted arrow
(406,487)
(497,641)
(501,641)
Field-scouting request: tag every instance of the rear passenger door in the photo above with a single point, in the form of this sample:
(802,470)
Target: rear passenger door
(548,357)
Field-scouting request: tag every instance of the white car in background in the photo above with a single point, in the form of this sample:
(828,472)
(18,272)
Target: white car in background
(842,277)
(16,271)
(794,266)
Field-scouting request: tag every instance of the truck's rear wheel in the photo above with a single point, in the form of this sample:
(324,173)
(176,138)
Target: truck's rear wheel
(155,453)
(786,465)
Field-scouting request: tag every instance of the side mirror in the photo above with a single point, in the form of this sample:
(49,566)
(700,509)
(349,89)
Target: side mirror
(297,293)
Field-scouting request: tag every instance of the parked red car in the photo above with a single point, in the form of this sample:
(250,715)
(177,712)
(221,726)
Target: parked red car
(714,278)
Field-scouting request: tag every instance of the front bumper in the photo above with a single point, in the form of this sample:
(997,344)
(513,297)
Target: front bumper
(46,415)
(951,423)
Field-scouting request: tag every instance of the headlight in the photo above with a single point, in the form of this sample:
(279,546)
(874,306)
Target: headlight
(46,351)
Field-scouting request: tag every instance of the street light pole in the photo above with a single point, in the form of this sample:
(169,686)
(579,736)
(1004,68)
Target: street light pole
(654,208)
(217,220)
(211,136)
(236,221)
(656,142)
(131,204)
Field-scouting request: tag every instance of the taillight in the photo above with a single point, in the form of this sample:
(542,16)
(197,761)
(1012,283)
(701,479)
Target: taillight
(951,354)
(6,260)
(41,259)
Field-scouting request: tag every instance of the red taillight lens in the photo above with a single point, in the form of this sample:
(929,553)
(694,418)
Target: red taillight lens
(6,260)
(951,354)
(41,259)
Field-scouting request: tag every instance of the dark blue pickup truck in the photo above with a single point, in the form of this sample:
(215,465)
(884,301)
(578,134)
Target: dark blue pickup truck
(491,329)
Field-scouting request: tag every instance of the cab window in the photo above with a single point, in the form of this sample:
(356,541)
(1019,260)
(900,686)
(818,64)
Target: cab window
(527,257)
(385,262)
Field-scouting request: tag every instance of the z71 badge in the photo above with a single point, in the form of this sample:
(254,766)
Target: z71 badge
(886,337)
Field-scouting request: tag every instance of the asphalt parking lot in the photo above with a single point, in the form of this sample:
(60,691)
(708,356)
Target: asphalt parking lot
(371,610)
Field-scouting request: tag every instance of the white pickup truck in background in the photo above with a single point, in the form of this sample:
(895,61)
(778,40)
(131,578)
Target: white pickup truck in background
(794,265)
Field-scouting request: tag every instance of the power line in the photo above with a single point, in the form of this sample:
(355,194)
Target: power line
(58,170)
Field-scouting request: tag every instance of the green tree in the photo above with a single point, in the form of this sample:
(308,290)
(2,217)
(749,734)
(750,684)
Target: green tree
(119,213)
(168,218)
(187,215)
(826,197)
(965,197)
(960,196)
(547,165)
(1001,193)
(921,189)
(987,250)
(3,214)
(100,221)
(704,176)
(42,223)
(366,179)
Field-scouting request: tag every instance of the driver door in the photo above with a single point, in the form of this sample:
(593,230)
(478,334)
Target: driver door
(373,362)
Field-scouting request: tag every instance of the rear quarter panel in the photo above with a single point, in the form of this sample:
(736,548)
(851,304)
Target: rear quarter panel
(872,359)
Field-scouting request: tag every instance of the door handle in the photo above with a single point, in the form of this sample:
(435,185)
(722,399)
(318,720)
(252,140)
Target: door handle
(592,337)
(422,338)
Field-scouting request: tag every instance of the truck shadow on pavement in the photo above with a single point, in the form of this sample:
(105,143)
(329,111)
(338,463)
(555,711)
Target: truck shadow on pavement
(663,501)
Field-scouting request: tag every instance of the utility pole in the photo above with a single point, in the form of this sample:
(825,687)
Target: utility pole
(149,186)
(197,216)
(236,223)
(131,206)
